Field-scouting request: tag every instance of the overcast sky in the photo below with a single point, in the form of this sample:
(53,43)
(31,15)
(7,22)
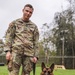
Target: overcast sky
(44,11)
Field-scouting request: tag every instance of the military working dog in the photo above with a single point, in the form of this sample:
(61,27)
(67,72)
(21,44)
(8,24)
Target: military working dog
(47,70)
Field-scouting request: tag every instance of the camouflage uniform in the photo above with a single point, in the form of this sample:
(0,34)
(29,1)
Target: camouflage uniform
(22,40)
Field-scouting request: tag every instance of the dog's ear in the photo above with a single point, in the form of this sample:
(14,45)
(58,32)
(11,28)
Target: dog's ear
(42,66)
(52,67)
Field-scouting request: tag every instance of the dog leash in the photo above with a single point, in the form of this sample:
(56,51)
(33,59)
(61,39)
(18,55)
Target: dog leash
(34,68)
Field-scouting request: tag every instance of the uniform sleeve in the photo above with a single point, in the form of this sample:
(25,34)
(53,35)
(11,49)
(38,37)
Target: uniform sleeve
(36,39)
(9,37)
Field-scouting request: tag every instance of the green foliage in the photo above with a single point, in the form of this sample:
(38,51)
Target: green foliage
(62,36)
(41,49)
(1,46)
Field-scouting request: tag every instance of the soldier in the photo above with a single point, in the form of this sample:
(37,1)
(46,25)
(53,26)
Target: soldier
(21,43)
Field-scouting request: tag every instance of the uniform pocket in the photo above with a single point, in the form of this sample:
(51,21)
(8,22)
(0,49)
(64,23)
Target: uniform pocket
(10,65)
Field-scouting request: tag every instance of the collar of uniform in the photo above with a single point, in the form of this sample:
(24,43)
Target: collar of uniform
(27,22)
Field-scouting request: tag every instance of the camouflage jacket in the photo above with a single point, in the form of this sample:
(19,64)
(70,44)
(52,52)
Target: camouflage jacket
(22,37)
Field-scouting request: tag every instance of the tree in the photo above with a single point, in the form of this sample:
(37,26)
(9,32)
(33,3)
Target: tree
(1,46)
(64,34)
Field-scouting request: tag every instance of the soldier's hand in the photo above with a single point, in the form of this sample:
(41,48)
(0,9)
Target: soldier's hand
(8,56)
(34,59)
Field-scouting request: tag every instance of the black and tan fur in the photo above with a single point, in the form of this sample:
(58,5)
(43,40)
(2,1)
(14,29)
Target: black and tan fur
(47,70)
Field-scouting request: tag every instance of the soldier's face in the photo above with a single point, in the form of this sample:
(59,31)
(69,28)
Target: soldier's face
(27,13)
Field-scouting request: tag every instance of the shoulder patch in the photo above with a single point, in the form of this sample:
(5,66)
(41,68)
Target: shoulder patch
(11,24)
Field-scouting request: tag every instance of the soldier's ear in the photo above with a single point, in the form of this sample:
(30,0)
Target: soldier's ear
(23,10)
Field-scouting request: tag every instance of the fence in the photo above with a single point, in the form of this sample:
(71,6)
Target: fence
(2,59)
(67,61)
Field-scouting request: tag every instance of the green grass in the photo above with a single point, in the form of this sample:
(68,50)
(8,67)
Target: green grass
(4,71)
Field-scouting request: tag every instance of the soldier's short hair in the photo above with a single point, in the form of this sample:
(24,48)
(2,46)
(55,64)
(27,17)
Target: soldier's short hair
(29,5)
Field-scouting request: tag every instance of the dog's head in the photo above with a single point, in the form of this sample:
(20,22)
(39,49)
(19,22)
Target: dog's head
(47,70)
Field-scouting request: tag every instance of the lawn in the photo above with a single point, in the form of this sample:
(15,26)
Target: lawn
(4,71)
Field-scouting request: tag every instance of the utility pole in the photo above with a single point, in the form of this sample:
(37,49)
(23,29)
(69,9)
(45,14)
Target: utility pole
(63,40)
(63,50)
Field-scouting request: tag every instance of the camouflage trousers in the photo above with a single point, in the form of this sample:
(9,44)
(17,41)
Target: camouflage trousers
(16,62)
